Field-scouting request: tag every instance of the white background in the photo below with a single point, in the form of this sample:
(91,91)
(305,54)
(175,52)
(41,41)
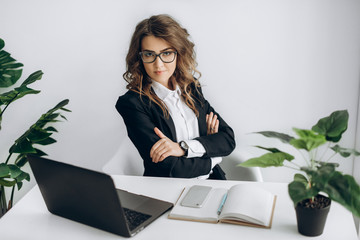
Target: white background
(266,65)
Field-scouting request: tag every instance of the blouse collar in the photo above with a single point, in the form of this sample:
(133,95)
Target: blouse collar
(163,92)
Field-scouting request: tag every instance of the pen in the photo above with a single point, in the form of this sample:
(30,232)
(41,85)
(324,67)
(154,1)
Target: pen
(222,204)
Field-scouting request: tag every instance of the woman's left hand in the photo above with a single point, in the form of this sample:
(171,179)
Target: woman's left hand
(164,148)
(212,123)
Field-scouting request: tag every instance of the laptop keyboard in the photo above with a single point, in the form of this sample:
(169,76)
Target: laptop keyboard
(135,218)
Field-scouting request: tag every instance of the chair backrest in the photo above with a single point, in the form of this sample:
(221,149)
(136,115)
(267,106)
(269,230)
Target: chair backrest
(234,172)
(126,161)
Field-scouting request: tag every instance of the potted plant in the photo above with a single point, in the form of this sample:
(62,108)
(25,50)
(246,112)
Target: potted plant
(320,182)
(39,133)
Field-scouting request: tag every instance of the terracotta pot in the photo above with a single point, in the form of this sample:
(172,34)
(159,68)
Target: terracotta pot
(311,221)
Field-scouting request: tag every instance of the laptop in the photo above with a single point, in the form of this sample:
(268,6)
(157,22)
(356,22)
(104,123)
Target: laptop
(90,197)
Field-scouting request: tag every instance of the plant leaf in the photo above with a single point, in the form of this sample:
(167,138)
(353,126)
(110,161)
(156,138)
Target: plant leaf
(4,170)
(308,139)
(345,152)
(273,150)
(10,70)
(298,191)
(344,190)
(33,77)
(21,160)
(7,183)
(333,126)
(22,146)
(15,94)
(37,134)
(19,185)
(301,178)
(50,129)
(319,177)
(23,176)
(281,136)
(59,106)
(15,171)
(268,160)
(46,141)
(2,44)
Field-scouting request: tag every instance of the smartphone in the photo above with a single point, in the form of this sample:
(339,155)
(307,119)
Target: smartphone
(196,196)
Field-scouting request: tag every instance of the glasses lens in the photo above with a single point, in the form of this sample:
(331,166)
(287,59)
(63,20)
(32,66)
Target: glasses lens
(148,57)
(167,57)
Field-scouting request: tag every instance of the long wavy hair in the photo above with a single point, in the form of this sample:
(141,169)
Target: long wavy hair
(165,27)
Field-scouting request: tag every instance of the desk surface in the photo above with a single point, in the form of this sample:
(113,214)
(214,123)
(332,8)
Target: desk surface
(29,219)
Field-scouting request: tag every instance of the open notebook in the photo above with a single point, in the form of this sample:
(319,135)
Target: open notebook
(245,205)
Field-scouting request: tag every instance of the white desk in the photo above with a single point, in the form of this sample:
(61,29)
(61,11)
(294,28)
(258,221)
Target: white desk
(29,219)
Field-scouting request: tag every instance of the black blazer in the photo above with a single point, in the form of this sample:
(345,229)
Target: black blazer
(141,117)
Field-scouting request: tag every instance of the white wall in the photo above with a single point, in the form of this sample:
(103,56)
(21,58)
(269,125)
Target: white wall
(266,65)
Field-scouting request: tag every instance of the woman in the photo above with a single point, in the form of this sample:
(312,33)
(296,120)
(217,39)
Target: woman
(174,128)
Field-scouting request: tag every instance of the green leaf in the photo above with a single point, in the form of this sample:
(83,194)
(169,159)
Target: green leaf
(298,143)
(333,126)
(46,141)
(19,185)
(273,150)
(22,146)
(15,171)
(23,176)
(298,191)
(301,178)
(345,152)
(7,183)
(320,176)
(308,139)
(2,44)
(344,190)
(33,77)
(9,77)
(15,94)
(40,153)
(24,90)
(37,135)
(21,160)
(11,65)
(59,106)
(65,109)
(268,160)
(281,136)
(4,170)
(50,129)
(10,71)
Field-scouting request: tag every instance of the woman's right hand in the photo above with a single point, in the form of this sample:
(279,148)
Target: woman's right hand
(164,147)
(212,123)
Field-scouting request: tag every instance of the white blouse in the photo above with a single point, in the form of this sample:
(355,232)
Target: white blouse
(185,121)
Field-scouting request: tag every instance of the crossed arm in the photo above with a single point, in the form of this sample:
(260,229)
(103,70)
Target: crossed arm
(166,147)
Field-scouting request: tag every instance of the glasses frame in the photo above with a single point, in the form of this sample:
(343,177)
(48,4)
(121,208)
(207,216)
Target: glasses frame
(158,55)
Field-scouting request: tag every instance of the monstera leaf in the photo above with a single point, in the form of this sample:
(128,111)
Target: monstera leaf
(10,70)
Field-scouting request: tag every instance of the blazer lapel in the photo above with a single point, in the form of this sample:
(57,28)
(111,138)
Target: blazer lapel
(201,120)
(170,123)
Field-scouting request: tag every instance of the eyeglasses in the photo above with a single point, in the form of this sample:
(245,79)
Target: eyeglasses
(150,57)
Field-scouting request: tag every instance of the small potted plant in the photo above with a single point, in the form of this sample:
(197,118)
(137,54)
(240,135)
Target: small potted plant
(320,182)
